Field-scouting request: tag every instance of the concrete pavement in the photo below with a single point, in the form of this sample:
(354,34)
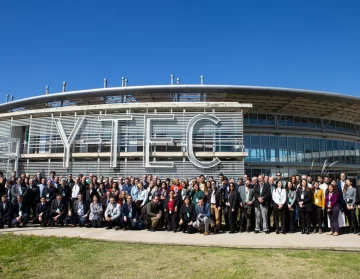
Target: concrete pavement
(348,242)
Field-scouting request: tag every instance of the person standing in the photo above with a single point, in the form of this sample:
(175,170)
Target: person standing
(349,194)
(171,210)
(291,206)
(279,200)
(304,199)
(248,199)
(18,190)
(262,193)
(6,211)
(318,206)
(234,204)
(214,198)
(332,207)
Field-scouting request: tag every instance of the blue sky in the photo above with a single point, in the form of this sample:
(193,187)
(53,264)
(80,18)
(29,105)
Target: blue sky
(299,44)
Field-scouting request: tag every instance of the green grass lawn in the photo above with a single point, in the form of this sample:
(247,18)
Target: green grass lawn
(51,257)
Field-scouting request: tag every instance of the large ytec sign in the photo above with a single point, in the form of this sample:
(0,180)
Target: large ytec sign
(148,138)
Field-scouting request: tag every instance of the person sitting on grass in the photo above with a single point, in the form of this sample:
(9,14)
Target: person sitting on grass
(112,214)
(20,213)
(96,212)
(129,214)
(153,214)
(187,216)
(42,213)
(58,211)
(78,213)
(203,216)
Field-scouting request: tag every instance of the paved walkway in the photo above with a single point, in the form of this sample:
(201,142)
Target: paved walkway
(349,242)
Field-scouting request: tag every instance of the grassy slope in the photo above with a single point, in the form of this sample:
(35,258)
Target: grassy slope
(51,257)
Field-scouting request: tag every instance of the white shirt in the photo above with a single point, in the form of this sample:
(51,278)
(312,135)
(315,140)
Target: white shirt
(323,187)
(75,191)
(279,196)
(213,200)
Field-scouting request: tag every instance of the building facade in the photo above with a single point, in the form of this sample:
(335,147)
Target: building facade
(182,130)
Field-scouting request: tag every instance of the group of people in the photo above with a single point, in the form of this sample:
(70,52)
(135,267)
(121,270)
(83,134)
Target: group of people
(261,203)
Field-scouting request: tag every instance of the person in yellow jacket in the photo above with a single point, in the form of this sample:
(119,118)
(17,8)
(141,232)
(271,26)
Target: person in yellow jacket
(318,206)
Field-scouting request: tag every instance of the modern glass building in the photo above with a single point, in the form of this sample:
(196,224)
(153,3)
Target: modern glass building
(182,130)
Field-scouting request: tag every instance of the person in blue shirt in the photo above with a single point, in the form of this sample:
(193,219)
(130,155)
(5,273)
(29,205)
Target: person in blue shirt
(203,216)
(129,214)
(126,186)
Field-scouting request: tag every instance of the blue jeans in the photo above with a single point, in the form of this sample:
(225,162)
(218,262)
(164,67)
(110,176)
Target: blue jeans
(24,220)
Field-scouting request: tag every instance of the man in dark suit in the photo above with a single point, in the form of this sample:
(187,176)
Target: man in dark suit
(262,193)
(42,213)
(58,211)
(20,212)
(79,212)
(6,208)
(129,214)
(34,195)
(18,189)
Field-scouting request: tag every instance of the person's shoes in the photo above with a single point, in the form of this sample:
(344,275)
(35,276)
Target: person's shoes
(124,229)
(267,232)
(336,234)
(330,233)
(248,231)
(152,230)
(241,230)
(89,226)
(117,228)
(206,233)
(283,232)
(320,231)
(73,226)
(62,224)
(307,231)
(303,231)
(109,228)
(314,231)
(277,232)
(256,231)
(42,224)
(183,231)
(174,231)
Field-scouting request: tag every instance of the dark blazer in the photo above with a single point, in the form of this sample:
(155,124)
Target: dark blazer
(8,211)
(342,203)
(218,196)
(24,208)
(191,210)
(357,200)
(49,193)
(8,194)
(176,203)
(62,207)
(15,191)
(234,200)
(35,193)
(42,209)
(76,205)
(125,211)
(307,200)
(265,194)
(90,193)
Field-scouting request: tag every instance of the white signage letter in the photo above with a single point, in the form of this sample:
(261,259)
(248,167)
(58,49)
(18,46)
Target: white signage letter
(114,134)
(67,142)
(189,143)
(148,141)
